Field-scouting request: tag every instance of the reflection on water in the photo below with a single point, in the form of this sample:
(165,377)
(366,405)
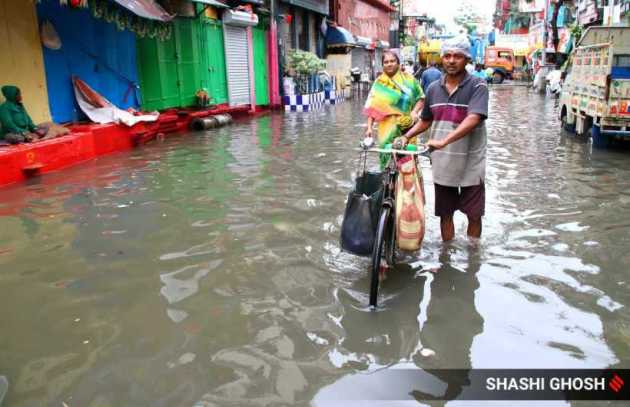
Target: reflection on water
(206,270)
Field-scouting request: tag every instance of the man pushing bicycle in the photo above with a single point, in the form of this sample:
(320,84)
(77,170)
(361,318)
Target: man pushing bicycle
(455,110)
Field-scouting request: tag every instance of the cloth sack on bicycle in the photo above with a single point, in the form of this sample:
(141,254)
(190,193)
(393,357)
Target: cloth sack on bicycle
(360,218)
(409,205)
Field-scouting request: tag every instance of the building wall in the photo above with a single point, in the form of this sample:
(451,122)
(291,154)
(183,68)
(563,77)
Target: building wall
(312,32)
(363,19)
(22,62)
(284,29)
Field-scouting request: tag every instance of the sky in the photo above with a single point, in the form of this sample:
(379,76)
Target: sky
(444,10)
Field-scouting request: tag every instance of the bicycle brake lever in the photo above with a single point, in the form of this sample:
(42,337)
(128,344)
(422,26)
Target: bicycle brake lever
(428,152)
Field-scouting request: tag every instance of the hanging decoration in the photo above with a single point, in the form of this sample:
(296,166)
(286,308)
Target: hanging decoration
(74,3)
(50,38)
(125,20)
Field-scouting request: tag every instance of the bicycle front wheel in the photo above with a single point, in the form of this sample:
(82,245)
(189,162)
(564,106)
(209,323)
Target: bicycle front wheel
(378,253)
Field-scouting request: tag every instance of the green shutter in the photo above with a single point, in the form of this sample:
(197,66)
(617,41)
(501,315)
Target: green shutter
(261,72)
(170,71)
(213,62)
(156,64)
(187,34)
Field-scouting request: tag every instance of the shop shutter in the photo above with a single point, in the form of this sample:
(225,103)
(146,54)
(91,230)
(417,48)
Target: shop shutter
(261,66)
(237,61)
(213,63)
(170,70)
(188,63)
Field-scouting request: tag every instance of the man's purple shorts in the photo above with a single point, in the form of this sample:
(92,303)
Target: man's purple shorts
(470,200)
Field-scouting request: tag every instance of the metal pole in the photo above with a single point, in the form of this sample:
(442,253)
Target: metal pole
(401,25)
(274,83)
(545,34)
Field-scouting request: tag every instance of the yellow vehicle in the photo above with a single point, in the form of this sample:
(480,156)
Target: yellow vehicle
(501,60)
(429,52)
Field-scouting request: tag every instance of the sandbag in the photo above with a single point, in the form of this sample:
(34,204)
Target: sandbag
(360,219)
(409,206)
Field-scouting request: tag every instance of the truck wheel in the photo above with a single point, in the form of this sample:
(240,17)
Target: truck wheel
(587,126)
(565,125)
(497,78)
(600,140)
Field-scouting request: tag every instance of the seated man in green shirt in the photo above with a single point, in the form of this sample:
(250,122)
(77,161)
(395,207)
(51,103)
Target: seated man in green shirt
(17,126)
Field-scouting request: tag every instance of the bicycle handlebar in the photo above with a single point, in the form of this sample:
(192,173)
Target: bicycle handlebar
(425,150)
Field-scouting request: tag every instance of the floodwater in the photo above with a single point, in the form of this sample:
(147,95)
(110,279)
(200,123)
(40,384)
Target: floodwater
(206,269)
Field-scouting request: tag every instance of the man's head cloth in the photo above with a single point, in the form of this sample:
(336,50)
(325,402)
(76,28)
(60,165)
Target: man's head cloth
(459,45)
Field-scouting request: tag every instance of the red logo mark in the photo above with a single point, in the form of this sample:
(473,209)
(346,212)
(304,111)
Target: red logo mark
(616,383)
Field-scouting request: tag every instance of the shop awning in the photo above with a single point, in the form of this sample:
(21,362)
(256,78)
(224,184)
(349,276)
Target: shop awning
(213,3)
(339,36)
(363,41)
(146,9)
(318,6)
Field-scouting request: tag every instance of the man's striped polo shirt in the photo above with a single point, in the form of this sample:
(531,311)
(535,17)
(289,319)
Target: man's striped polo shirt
(462,163)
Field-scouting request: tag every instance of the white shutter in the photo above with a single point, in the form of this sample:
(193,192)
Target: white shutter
(237,63)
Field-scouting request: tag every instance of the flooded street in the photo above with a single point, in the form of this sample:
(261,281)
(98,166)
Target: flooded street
(206,270)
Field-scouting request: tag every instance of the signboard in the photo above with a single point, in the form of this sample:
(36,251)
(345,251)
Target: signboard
(531,6)
(536,33)
(587,12)
(612,15)
(535,37)
(519,43)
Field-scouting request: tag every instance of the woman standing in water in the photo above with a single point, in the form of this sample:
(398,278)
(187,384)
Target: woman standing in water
(395,102)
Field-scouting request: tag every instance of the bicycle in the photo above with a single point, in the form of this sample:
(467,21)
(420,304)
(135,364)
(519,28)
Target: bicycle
(385,240)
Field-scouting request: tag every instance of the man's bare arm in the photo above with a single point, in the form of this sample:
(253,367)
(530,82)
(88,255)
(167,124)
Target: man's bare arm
(418,128)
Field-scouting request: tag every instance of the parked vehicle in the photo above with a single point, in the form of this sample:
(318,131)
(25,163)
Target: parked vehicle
(595,98)
(429,52)
(502,61)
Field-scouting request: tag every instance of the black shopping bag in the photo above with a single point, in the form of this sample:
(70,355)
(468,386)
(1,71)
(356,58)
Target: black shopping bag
(361,215)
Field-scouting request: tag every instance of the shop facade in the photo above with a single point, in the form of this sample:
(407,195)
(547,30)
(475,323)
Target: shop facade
(98,46)
(368,22)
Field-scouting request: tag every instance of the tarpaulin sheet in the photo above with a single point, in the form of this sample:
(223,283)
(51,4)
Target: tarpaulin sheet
(101,110)
(92,49)
(215,3)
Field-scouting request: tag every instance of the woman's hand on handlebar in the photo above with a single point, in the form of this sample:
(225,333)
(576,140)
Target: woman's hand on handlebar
(368,131)
(399,143)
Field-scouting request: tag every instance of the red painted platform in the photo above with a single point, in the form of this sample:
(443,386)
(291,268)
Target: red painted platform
(87,141)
